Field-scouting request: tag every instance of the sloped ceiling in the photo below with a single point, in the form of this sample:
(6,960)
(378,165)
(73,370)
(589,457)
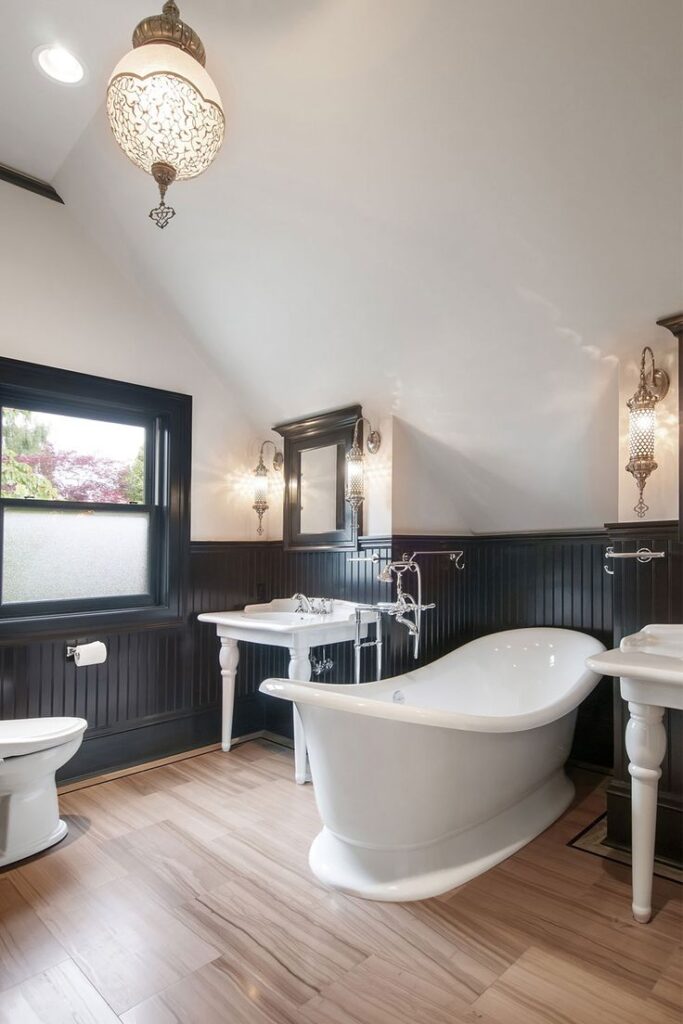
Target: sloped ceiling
(458,213)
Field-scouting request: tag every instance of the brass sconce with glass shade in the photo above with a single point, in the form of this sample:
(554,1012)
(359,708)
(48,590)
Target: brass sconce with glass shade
(355,465)
(262,482)
(652,388)
(163,107)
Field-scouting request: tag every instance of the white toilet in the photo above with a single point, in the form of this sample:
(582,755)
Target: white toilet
(31,751)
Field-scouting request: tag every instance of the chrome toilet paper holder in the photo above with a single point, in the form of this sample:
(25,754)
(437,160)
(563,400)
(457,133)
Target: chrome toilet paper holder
(94,647)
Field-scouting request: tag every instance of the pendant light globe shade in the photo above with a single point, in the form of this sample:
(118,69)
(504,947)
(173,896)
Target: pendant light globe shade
(163,107)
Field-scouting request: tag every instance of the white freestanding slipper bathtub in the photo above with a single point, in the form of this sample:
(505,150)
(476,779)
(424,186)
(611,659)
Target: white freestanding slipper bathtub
(425,780)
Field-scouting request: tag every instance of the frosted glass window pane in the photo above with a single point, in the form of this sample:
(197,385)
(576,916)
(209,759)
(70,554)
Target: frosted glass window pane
(68,458)
(319,490)
(64,555)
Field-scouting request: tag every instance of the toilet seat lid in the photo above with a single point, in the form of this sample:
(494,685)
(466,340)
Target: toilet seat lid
(28,735)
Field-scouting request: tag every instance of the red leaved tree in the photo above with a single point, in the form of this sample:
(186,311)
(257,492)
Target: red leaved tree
(77,477)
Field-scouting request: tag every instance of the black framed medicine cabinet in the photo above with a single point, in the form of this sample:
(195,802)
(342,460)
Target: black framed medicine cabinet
(94,503)
(316,515)
(674,324)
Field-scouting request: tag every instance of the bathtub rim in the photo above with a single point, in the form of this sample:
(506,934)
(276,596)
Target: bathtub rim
(357,698)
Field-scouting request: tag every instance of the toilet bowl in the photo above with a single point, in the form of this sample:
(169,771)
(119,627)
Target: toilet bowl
(31,751)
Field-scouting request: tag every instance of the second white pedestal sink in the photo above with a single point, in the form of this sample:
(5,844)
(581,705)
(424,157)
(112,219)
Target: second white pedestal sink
(280,624)
(650,666)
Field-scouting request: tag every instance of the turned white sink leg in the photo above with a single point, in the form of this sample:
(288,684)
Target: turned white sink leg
(645,746)
(229,657)
(300,668)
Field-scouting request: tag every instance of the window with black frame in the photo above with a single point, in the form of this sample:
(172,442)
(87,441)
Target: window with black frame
(94,500)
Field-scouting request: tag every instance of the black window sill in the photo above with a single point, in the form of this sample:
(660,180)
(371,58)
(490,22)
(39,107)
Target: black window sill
(87,624)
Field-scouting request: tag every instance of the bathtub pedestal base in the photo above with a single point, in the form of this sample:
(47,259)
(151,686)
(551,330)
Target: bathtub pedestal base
(417,873)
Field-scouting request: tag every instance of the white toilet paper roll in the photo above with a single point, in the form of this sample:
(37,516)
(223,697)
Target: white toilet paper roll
(90,654)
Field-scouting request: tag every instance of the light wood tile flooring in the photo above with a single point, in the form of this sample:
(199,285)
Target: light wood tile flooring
(182,895)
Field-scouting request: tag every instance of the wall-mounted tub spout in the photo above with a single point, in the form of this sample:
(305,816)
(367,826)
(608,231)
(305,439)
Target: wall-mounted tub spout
(406,609)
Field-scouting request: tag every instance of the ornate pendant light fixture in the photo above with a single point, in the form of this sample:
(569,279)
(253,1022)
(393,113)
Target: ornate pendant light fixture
(163,107)
(652,388)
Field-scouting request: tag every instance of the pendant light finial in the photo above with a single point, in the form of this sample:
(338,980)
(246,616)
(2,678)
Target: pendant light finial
(164,175)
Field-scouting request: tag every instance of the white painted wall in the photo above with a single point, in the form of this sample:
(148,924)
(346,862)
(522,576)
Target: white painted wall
(661,490)
(461,214)
(457,212)
(378,513)
(65,304)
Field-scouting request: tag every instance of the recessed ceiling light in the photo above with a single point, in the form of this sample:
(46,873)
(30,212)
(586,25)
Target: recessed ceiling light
(58,64)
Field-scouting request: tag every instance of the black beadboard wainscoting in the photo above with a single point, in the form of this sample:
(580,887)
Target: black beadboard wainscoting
(158,693)
(514,580)
(507,582)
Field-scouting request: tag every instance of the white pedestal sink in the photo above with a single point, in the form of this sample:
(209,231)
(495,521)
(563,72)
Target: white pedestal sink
(650,666)
(281,625)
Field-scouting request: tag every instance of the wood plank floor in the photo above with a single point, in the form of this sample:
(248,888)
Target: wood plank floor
(182,895)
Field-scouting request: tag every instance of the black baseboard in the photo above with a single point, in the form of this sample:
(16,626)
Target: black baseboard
(669,835)
(149,741)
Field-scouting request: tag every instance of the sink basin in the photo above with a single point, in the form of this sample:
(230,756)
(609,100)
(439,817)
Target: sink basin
(663,641)
(281,616)
(284,618)
(650,664)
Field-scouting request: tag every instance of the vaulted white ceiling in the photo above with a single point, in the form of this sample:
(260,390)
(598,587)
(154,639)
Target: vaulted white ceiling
(459,213)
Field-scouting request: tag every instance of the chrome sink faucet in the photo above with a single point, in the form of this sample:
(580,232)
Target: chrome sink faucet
(313,605)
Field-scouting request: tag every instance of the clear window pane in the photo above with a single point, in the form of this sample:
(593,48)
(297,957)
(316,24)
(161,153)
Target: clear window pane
(69,458)
(53,555)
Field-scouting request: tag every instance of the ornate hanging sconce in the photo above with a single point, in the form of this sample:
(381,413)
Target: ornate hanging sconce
(355,466)
(162,105)
(652,388)
(262,482)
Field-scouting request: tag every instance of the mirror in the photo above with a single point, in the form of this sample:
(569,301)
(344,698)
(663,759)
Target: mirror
(318,491)
(316,516)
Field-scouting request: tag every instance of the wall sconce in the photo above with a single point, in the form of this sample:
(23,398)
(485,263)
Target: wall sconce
(652,388)
(355,466)
(261,482)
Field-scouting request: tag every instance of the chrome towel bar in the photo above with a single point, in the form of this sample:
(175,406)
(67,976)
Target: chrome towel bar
(454,556)
(641,555)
